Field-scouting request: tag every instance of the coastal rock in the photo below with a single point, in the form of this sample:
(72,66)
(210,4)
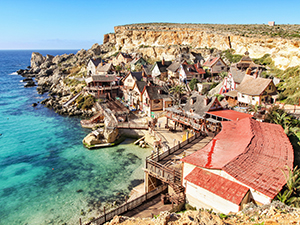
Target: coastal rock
(30,84)
(36,59)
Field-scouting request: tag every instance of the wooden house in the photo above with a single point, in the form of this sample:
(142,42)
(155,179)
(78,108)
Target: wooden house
(174,68)
(154,99)
(187,72)
(215,65)
(129,83)
(120,58)
(159,70)
(100,85)
(256,91)
(137,61)
(232,80)
(136,96)
(92,65)
(224,176)
(103,69)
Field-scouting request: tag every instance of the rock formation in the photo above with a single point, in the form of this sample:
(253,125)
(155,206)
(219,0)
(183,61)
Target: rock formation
(159,41)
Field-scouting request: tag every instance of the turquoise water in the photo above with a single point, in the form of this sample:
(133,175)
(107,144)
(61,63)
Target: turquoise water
(43,163)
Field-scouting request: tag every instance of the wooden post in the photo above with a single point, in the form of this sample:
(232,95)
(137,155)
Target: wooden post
(104,214)
(80,221)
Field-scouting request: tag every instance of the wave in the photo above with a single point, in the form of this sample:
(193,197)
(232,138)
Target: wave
(14,73)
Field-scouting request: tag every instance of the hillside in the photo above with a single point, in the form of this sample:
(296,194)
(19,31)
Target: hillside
(167,40)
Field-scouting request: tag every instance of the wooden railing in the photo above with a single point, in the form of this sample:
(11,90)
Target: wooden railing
(131,125)
(72,99)
(164,173)
(157,156)
(107,216)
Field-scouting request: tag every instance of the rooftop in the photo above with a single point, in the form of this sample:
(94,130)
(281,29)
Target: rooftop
(250,151)
(218,185)
(253,86)
(230,114)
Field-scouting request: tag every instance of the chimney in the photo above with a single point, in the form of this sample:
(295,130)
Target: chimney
(248,71)
(206,100)
(163,62)
(143,73)
(101,64)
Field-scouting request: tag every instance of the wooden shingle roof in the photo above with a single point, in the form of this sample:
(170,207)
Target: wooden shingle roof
(253,86)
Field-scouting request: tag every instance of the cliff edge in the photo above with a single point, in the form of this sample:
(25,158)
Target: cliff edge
(158,40)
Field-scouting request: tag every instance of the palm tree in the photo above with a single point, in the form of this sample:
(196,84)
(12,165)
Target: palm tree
(289,195)
(292,179)
(281,119)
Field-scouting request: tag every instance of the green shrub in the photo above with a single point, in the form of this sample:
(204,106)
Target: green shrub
(88,103)
(193,83)
(232,58)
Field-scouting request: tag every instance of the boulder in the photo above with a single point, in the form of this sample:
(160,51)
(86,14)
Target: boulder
(90,139)
(30,84)
(111,135)
(36,59)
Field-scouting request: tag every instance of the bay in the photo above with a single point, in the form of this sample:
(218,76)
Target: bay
(43,163)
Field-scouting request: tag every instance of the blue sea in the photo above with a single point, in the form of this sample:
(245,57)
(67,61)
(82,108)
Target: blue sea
(46,175)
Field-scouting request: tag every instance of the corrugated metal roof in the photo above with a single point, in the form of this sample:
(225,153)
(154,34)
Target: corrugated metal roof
(229,114)
(218,185)
(250,151)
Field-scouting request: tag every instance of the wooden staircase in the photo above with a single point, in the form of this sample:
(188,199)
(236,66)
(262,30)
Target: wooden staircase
(170,176)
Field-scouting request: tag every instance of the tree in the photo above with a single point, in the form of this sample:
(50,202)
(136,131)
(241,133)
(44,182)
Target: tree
(193,83)
(118,68)
(177,91)
(289,194)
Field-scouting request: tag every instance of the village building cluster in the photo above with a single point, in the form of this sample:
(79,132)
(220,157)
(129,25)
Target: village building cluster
(243,161)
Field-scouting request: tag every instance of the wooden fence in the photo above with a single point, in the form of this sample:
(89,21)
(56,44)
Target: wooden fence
(107,216)
(157,156)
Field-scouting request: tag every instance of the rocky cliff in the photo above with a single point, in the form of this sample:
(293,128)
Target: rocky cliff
(168,40)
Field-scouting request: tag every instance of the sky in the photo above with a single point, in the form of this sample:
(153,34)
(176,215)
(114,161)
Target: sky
(77,24)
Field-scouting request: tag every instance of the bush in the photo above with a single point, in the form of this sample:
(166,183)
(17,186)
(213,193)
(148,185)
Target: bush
(232,58)
(88,103)
(193,83)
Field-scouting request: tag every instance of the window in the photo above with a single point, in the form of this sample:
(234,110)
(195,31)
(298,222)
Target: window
(156,101)
(253,98)
(270,87)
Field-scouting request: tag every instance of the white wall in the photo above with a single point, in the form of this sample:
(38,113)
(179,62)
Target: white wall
(257,196)
(208,200)
(253,100)
(155,71)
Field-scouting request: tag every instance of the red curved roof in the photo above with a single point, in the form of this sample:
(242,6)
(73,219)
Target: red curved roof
(218,185)
(229,114)
(250,151)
